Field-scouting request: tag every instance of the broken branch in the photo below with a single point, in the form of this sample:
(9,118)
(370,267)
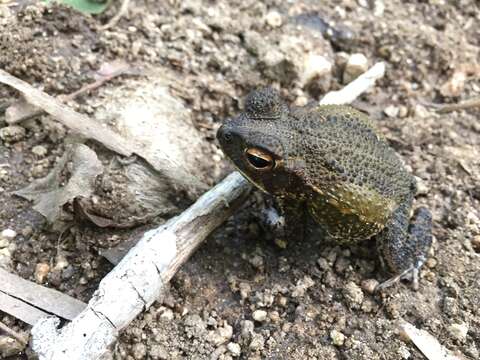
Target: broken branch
(140,278)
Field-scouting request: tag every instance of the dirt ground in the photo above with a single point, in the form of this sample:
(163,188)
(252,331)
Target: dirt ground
(241,295)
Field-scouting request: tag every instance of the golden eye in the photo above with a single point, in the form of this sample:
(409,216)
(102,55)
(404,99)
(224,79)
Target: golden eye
(259,159)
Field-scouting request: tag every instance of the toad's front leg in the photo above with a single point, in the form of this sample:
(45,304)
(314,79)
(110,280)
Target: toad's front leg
(287,221)
(403,245)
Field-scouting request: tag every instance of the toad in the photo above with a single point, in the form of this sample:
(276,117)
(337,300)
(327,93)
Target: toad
(330,162)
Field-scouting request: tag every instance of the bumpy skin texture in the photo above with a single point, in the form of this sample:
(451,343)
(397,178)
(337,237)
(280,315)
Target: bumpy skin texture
(331,162)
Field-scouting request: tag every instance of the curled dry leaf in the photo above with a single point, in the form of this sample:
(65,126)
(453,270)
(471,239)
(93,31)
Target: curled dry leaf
(77,170)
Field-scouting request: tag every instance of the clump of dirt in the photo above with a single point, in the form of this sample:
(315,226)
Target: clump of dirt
(241,296)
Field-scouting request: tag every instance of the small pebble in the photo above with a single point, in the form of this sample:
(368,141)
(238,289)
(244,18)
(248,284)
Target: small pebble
(12,133)
(8,234)
(353,294)
(476,242)
(234,349)
(274,316)
(337,337)
(221,335)
(422,186)
(391,111)
(458,331)
(41,272)
(356,65)
(257,342)
(402,111)
(274,19)
(315,66)
(39,150)
(431,263)
(139,351)
(247,327)
(167,315)
(421,111)
(323,264)
(369,285)
(302,286)
(404,353)
(259,315)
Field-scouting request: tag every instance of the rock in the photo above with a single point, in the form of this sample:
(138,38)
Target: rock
(12,133)
(167,315)
(221,335)
(422,186)
(431,263)
(353,294)
(259,315)
(356,65)
(256,261)
(402,111)
(158,352)
(257,343)
(9,347)
(454,86)
(39,150)
(274,316)
(247,327)
(391,111)
(41,272)
(290,54)
(274,19)
(476,242)
(315,66)
(323,264)
(403,352)
(337,337)
(5,258)
(245,290)
(27,231)
(302,286)
(139,351)
(458,331)
(421,111)
(234,349)
(369,285)
(8,234)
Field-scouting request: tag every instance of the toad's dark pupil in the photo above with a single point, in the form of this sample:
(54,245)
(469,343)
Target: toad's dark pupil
(258,162)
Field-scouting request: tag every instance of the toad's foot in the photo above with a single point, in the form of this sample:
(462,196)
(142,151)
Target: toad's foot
(403,247)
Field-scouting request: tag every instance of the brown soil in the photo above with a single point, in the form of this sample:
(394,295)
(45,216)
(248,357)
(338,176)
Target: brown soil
(308,289)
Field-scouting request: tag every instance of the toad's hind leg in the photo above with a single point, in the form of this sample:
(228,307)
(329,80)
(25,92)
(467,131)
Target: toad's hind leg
(403,244)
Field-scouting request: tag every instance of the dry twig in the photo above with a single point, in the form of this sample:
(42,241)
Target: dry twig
(446,108)
(113,21)
(22,110)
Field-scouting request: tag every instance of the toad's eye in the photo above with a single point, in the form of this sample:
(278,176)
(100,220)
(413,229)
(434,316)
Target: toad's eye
(259,159)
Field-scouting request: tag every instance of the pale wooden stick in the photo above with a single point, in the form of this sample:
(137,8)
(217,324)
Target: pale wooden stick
(23,110)
(139,279)
(426,343)
(357,87)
